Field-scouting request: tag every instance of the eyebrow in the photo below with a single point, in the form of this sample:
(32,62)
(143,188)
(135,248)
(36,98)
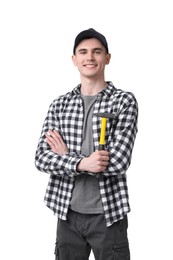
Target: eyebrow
(94,49)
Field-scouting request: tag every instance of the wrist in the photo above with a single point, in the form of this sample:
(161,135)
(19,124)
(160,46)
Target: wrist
(81,167)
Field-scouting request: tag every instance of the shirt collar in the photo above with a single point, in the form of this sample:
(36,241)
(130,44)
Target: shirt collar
(107,91)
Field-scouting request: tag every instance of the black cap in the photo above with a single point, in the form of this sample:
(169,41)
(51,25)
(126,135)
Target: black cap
(88,34)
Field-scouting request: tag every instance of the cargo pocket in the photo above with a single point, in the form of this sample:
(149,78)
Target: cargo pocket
(122,224)
(121,251)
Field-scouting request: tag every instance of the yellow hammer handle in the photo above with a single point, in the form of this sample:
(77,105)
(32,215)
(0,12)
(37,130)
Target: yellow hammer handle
(103,131)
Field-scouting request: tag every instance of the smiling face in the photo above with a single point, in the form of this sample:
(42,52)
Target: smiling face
(90,58)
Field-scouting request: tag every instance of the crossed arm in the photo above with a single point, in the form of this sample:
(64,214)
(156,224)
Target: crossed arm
(53,156)
(96,162)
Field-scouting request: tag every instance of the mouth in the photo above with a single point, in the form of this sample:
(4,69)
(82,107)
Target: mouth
(90,65)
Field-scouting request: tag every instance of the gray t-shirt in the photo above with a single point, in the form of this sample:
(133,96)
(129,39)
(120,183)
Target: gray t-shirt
(86,193)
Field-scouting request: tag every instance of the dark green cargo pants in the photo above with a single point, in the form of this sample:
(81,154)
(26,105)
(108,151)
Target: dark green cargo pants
(83,232)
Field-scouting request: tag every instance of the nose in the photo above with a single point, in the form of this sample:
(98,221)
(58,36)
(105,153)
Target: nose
(90,56)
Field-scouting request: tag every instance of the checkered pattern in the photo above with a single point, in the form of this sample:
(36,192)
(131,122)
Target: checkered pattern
(65,115)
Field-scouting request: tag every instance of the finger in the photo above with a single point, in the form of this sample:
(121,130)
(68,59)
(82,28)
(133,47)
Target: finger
(58,136)
(105,158)
(54,144)
(56,133)
(50,143)
(52,134)
(104,152)
(104,163)
(48,137)
(53,137)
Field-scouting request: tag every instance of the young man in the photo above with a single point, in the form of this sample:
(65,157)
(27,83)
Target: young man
(87,189)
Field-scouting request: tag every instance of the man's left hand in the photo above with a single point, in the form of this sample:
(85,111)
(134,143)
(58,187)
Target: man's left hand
(54,139)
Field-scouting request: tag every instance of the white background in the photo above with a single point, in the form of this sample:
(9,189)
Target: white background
(36,44)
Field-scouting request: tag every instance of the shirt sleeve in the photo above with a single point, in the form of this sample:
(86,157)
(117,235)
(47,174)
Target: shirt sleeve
(122,138)
(48,161)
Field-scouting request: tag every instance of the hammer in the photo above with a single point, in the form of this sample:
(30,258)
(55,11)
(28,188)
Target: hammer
(104,117)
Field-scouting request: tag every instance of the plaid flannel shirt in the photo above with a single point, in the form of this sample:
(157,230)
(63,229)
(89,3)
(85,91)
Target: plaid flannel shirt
(66,115)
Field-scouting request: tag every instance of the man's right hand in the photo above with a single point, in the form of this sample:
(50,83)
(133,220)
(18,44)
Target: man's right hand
(95,163)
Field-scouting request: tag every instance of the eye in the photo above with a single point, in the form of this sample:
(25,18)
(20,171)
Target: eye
(97,51)
(82,52)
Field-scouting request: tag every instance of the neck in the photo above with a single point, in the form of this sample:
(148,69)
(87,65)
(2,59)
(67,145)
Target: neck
(91,88)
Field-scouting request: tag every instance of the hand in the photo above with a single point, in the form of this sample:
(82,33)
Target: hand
(96,162)
(54,139)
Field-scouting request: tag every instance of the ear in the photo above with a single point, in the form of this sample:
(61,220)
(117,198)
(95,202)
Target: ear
(108,57)
(74,59)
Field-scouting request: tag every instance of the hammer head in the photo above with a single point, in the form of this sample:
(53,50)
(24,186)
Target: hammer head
(105,115)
